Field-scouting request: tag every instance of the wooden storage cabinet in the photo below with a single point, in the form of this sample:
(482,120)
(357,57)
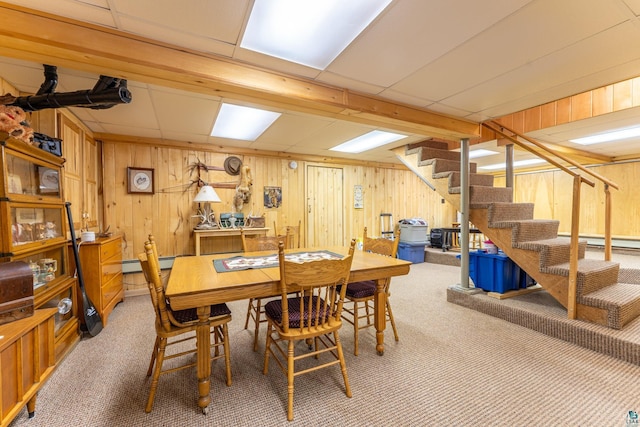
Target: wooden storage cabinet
(101,263)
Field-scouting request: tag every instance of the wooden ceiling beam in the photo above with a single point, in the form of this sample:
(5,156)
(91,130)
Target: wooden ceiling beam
(49,39)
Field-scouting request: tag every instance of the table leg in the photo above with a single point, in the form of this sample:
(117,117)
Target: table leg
(197,237)
(203,338)
(380,320)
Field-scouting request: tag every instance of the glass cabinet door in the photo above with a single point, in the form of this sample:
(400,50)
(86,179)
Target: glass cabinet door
(29,177)
(47,266)
(32,225)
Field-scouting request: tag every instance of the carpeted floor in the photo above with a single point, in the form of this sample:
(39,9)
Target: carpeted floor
(452,366)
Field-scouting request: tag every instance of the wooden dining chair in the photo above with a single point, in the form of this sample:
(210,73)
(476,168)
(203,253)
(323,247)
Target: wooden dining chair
(177,326)
(315,315)
(292,232)
(360,295)
(255,308)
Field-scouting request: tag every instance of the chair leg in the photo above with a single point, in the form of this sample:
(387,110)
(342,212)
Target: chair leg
(227,352)
(153,356)
(356,328)
(393,322)
(246,322)
(343,365)
(290,377)
(267,346)
(257,318)
(156,374)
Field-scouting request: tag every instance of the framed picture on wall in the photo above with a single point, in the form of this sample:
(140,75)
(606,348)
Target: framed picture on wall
(140,180)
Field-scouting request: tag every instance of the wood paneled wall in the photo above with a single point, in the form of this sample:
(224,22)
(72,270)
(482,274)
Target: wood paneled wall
(168,213)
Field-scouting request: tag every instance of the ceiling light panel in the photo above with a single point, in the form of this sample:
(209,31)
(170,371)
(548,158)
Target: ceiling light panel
(368,141)
(245,123)
(311,33)
(615,135)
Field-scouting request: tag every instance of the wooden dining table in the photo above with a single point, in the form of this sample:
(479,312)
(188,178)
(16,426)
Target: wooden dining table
(195,283)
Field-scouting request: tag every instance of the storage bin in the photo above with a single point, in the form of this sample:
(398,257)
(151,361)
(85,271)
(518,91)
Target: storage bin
(413,233)
(496,272)
(413,252)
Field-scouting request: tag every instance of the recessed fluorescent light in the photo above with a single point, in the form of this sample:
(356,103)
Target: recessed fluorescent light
(311,33)
(243,123)
(615,135)
(368,141)
(474,154)
(528,162)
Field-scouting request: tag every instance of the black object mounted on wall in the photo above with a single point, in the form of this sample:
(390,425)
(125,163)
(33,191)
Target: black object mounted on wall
(106,93)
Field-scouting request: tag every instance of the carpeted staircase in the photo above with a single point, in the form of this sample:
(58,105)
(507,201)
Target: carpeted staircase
(606,294)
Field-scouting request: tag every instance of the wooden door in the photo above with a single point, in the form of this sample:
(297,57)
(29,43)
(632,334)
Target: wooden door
(325,206)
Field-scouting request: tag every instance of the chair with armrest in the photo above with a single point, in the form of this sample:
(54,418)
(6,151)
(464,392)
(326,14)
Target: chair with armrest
(360,295)
(292,232)
(173,326)
(255,309)
(313,315)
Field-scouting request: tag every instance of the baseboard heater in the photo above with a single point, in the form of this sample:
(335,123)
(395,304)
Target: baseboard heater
(133,265)
(616,243)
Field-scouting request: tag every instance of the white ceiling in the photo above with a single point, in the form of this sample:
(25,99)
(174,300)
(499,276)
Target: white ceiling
(465,58)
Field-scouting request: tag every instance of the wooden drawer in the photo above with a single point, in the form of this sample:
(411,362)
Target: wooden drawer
(110,269)
(112,289)
(110,250)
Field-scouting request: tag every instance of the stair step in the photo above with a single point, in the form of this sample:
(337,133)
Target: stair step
(509,212)
(427,153)
(444,165)
(474,179)
(529,230)
(481,197)
(553,251)
(593,274)
(621,300)
(629,275)
(415,147)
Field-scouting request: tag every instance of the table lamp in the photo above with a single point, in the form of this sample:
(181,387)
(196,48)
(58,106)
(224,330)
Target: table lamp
(207,195)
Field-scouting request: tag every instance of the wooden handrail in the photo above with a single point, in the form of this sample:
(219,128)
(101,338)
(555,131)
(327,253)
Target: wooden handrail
(559,155)
(537,153)
(578,179)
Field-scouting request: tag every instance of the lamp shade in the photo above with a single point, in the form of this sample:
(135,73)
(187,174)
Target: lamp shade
(207,194)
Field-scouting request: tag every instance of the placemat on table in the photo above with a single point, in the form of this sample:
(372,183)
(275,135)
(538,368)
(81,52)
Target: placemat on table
(238,263)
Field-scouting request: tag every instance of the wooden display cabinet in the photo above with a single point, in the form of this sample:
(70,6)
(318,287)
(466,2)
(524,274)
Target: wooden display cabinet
(33,229)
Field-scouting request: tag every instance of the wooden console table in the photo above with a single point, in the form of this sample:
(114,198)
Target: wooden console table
(226,232)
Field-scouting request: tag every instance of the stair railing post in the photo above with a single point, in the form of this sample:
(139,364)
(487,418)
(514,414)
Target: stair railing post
(574,250)
(464,210)
(607,223)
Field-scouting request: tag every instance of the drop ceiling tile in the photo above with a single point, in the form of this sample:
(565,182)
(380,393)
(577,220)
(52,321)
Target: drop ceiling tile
(541,28)
(541,81)
(211,19)
(176,36)
(288,129)
(179,112)
(95,12)
(379,55)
